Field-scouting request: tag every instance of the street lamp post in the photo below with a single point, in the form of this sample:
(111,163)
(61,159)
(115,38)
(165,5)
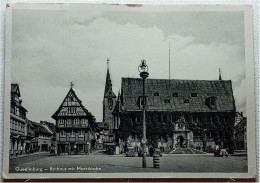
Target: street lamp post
(143,69)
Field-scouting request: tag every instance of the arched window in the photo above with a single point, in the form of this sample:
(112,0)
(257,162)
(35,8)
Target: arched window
(110,104)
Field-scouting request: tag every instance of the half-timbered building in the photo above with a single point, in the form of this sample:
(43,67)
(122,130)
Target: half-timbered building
(17,122)
(179,113)
(74,126)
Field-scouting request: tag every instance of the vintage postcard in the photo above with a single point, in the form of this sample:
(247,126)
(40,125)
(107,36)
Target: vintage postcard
(129,91)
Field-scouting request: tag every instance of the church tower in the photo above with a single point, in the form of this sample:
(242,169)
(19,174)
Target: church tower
(109,100)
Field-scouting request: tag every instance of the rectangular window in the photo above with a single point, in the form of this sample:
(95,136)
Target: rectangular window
(72,134)
(81,133)
(68,121)
(62,133)
(76,121)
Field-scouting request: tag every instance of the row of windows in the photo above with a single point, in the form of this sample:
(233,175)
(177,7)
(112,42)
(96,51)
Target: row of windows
(15,110)
(165,118)
(72,109)
(17,126)
(74,121)
(176,94)
(44,136)
(72,133)
(210,102)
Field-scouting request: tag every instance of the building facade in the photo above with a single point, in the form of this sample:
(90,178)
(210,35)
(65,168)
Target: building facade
(17,122)
(241,135)
(43,138)
(74,126)
(179,113)
(50,127)
(30,137)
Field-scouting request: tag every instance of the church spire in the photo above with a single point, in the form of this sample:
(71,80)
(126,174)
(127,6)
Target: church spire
(220,78)
(108,85)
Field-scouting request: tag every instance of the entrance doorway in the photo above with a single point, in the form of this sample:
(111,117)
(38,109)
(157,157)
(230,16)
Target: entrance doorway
(180,141)
(45,147)
(72,149)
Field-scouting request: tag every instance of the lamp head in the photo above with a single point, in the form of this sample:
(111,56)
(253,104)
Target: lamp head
(143,69)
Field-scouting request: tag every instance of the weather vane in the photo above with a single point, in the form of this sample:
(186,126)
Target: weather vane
(71,84)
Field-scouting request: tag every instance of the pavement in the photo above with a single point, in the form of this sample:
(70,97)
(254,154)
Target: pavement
(25,155)
(98,163)
(186,151)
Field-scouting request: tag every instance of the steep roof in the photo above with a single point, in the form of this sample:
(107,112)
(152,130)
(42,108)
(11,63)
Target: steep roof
(241,124)
(49,125)
(15,89)
(40,128)
(80,108)
(108,86)
(166,101)
(29,122)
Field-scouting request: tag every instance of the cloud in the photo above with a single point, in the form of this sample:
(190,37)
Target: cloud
(51,49)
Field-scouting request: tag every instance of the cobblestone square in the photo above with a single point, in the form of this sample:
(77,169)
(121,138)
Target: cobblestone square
(43,163)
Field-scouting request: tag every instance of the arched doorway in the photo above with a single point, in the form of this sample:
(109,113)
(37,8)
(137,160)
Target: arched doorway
(180,141)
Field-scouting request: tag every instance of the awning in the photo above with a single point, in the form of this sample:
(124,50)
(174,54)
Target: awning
(80,142)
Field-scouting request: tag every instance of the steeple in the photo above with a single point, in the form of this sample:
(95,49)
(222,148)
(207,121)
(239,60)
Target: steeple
(109,99)
(108,86)
(220,78)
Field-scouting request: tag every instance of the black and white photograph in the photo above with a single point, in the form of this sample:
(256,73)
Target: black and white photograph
(150,90)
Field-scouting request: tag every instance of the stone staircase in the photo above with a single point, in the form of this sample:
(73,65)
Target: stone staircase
(240,153)
(186,151)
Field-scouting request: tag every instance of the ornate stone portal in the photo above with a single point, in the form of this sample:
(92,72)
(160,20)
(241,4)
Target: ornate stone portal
(182,136)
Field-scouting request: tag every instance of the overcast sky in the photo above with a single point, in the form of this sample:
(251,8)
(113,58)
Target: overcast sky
(53,48)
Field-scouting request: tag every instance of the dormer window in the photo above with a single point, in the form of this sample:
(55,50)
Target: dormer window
(186,101)
(140,101)
(175,95)
(156,94)
(194,95)
(211,102)
(167,101)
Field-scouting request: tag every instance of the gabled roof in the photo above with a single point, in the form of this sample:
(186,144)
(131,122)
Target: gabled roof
(49,125)
(241,124)
(15,89)
(79,104)
(118,106)
(40,128)
(29,122)
(166,101)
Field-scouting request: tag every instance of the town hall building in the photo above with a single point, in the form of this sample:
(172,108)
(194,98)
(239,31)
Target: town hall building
(179,113)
